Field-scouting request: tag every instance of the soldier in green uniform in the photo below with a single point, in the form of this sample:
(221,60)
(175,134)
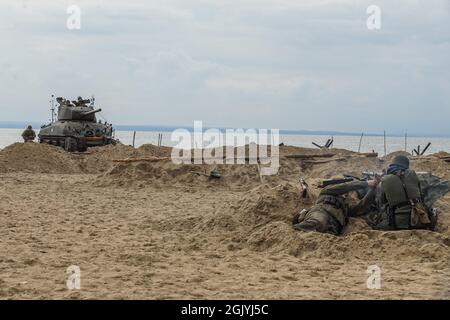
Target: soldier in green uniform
(29,135)
(331,211)
(402,202)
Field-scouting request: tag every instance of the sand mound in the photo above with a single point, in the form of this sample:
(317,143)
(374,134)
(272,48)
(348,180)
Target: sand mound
(291,150)
(255,209)
(353,165)
(165,172)
(443,206)
(392,155)
(441,154)
(150,150)
(433,165)
(44,158)
(99,159)
(421,245)
(143,172)
(265,204)
(37,158)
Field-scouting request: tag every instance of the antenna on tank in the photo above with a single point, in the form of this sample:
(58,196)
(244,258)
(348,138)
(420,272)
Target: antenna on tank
(92,100)
(52,103)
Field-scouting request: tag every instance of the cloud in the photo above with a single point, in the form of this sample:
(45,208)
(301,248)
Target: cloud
(256,84)
(239,63)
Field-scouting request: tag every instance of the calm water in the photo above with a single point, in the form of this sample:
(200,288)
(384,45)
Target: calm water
(9,136)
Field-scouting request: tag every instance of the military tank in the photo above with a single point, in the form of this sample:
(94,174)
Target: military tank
(76,127)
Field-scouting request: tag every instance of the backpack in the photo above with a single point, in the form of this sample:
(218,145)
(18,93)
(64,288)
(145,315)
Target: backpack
(421,217)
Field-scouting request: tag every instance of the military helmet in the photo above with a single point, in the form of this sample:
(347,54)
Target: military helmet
(401,161)
(29,127)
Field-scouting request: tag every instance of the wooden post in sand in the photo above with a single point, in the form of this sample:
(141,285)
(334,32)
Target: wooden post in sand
(426,148)
(134,138)
(385,149)
(406,142)
(259,172)
(360,142)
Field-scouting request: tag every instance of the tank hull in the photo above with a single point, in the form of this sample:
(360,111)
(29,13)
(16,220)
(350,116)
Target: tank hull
(76,135)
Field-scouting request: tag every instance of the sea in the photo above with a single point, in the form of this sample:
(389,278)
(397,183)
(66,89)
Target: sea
(9,136)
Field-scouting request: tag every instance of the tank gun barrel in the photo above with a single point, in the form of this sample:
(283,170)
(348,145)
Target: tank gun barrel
(88,113)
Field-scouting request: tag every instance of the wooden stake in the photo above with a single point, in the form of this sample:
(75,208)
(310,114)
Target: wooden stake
(360,142)
(426,148)
(309,156)
(331,143)
(406,142)
(148,159)
(259,172)
(323,161)
(134,138)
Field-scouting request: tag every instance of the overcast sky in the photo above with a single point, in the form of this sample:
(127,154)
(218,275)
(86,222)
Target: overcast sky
(287,64)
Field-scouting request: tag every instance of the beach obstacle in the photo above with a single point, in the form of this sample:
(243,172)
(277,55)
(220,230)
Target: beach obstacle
(360,142)
(327,145)
(160,136)
(418,151)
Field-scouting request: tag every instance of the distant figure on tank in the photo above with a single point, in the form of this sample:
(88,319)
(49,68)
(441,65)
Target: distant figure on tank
(29,135)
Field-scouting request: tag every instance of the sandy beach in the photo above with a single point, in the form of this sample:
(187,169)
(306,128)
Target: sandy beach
(156,230)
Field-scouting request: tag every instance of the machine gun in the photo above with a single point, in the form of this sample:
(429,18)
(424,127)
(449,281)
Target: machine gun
(366,176)
(332,182)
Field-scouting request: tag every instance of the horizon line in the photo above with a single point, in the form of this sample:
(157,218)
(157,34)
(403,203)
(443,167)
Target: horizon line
(168,128)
